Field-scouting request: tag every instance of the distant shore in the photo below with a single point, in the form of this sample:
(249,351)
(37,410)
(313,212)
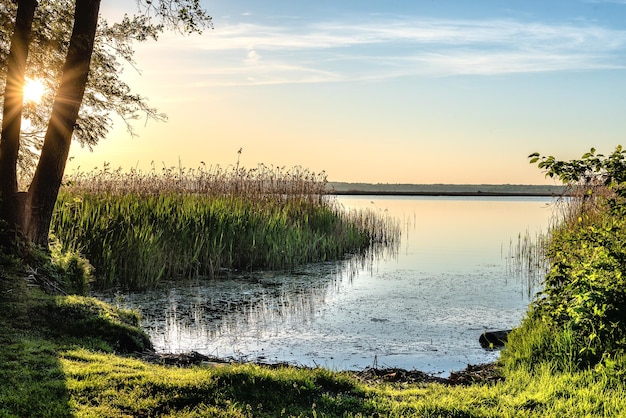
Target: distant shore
(460,190)
(440,193)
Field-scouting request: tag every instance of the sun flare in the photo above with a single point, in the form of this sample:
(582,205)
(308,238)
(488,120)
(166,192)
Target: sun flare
(33,90)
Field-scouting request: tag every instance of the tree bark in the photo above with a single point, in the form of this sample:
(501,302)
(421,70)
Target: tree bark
(11,207)
(44,188)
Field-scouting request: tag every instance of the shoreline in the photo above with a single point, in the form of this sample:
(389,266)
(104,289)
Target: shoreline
(473,373)
(454,190)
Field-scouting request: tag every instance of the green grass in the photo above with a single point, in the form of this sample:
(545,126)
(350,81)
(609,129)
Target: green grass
(249,390)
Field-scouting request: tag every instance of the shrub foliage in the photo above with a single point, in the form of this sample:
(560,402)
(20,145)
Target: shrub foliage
(581,312)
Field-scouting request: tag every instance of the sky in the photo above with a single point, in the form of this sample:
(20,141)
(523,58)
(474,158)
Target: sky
(422,91)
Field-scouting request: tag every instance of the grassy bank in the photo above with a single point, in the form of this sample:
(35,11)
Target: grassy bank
(47,371)
(136,228)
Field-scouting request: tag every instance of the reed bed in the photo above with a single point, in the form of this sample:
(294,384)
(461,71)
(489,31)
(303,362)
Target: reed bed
(583,203)
(136,227)
(258,183)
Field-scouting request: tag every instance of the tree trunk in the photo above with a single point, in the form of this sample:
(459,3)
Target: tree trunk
(11,207)
(43,191)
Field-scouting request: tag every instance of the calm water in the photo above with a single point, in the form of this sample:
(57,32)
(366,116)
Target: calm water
(423,307)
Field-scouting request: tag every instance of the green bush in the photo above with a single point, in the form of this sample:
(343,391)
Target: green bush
(585,290)
(578,321)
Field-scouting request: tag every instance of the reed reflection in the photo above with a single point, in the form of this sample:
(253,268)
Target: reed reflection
(228,315)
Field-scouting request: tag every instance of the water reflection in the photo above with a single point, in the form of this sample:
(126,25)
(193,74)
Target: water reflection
(236,308)
(422,308)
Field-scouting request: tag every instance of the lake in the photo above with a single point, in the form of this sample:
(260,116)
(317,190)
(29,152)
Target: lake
(421,306)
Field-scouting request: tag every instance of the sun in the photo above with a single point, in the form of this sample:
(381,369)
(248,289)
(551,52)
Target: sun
(33,90)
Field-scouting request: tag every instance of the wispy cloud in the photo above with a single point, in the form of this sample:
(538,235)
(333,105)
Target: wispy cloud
(605,1)
(333,51)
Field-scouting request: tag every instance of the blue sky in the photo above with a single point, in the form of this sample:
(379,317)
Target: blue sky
(383,91)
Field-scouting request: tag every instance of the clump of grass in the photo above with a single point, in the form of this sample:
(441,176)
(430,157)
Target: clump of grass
(81,318)
(136,228)
(70,269)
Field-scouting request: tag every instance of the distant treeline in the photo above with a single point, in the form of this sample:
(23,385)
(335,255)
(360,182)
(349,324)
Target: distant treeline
(342,188)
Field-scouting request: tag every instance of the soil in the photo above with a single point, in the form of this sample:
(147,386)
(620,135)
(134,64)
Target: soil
(481,373)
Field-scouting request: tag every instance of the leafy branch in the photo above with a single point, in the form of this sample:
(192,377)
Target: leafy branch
(590,169)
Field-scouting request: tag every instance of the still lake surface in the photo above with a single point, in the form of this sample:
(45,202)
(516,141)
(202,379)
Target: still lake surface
(422,306)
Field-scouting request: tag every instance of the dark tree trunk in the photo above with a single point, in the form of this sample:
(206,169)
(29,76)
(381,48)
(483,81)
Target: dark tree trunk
(43,191)
(12,205)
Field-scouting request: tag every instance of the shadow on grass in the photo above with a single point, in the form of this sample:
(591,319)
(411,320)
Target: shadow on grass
(33,382)
(35,328)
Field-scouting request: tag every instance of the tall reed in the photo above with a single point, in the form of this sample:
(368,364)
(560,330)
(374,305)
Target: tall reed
(255,183)
(527,260)
(137,228)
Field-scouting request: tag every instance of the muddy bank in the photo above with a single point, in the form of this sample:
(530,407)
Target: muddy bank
(480,373)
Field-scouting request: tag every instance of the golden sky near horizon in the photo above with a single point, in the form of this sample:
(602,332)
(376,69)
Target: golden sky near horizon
(378,92)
